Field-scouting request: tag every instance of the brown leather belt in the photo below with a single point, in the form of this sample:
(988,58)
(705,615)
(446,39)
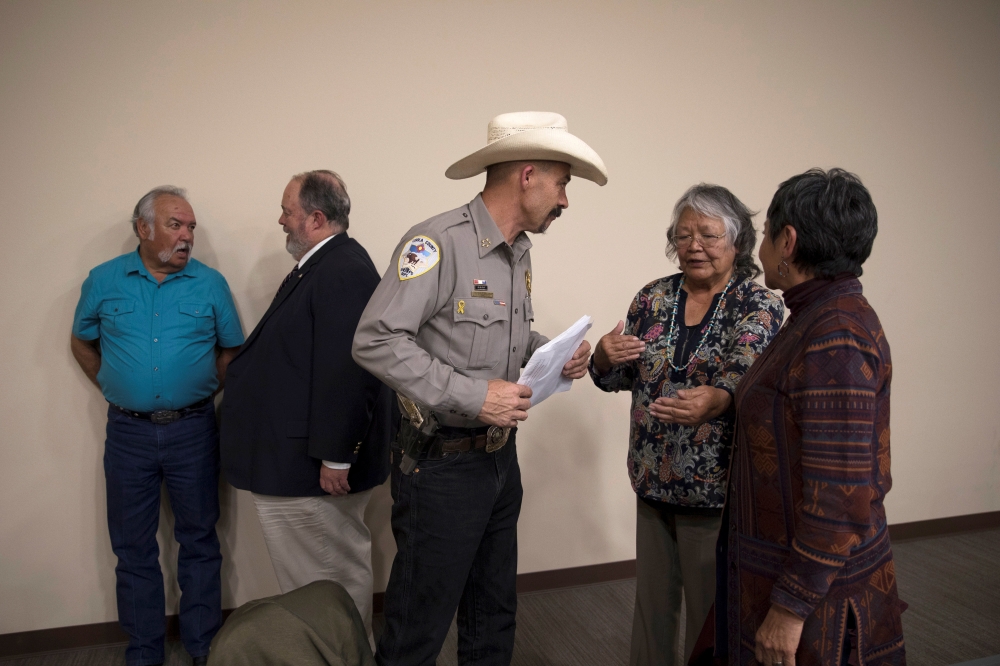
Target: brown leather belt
(464,444)
(492,440)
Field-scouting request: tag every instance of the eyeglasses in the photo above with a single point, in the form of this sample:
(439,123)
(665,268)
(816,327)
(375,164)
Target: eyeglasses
(707,242)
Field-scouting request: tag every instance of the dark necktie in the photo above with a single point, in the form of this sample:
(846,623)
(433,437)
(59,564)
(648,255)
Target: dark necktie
(285,281)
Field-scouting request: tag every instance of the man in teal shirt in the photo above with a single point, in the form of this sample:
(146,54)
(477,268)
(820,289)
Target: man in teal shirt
(155,329)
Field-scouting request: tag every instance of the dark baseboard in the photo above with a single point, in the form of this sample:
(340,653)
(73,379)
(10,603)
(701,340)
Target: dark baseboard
(26,643)
(553,579)
(83,636)
(78,637)
(922,529)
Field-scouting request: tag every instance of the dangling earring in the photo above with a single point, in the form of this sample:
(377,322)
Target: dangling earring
(787,268)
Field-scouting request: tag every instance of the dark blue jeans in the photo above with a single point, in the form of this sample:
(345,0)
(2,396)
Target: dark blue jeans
(138,457)
(455,523)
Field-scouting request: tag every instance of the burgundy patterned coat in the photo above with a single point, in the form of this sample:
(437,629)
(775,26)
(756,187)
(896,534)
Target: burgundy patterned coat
(807,528)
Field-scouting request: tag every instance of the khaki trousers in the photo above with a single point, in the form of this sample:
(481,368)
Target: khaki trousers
(320,538)
(672,553)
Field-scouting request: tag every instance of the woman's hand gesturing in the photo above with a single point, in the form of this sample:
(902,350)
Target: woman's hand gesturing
(614,349)
(692,406)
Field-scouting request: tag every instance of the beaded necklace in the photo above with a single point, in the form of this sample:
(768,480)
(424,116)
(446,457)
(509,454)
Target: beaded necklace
(672,335)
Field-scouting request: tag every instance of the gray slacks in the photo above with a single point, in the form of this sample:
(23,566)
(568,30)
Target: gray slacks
(673,553)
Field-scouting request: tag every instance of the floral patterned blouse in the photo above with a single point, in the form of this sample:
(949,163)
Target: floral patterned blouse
(686,465)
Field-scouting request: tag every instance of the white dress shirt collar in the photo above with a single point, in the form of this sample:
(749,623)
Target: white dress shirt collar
(313,250)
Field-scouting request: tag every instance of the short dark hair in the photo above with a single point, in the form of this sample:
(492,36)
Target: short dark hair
(834,218)
(501,171)
(325,191)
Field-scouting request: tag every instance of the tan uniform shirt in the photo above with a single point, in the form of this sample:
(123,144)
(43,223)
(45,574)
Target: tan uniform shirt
(452,312)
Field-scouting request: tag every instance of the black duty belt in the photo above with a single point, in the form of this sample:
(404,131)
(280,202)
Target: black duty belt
(163,416)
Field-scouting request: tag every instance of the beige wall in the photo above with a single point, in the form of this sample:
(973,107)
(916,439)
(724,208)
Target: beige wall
(99,101)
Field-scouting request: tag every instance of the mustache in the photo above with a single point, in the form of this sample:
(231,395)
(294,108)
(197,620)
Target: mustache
(556,212)
(181,245)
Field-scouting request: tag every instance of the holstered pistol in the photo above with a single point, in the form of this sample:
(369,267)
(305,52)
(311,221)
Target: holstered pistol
(417,433)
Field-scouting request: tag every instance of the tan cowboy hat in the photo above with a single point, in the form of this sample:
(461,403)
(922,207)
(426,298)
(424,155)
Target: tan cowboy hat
(531,135)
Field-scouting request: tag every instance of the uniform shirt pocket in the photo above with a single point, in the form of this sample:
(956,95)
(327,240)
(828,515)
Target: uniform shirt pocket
(202,315)
(477,334)
(116,315)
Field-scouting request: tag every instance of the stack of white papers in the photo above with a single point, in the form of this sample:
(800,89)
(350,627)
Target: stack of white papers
(544,370)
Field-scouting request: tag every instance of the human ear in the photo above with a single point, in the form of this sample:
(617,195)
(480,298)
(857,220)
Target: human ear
(144,229)
(789,237)
(527,174)
(316,219)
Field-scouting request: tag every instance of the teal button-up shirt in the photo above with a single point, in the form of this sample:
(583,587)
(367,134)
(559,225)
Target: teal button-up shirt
(158,339)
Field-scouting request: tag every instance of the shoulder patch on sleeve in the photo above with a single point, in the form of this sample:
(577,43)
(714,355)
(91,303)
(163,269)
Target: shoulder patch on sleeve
(419,255)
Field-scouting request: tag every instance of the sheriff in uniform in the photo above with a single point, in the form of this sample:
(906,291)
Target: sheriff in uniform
(449,328)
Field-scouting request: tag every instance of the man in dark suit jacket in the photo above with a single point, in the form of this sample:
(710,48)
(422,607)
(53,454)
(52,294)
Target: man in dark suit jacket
(304,428)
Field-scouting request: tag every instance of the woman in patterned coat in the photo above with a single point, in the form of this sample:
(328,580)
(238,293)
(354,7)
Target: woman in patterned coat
(689,339)
(810,570)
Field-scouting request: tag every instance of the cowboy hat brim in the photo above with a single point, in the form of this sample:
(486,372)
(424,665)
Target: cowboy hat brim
(539,144)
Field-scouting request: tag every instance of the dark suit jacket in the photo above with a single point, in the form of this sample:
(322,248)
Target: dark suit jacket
(294,396)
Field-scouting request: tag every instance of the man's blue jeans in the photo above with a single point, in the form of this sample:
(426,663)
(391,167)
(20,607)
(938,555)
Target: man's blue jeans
(455,523)
(138,457)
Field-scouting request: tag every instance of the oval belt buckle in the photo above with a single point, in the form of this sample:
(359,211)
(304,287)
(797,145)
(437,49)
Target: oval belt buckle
(496,437)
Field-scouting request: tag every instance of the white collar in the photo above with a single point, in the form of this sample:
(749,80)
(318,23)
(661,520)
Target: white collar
(312,251)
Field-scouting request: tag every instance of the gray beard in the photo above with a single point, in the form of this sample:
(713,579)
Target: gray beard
(296,246)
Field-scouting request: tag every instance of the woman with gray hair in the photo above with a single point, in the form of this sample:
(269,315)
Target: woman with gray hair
(688,340)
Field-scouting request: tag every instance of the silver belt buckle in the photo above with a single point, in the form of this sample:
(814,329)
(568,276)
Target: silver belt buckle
(164,416)
(496,437)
